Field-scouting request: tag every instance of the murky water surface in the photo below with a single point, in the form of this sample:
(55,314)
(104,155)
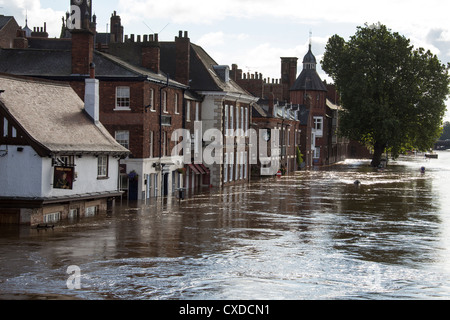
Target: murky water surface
(313,235)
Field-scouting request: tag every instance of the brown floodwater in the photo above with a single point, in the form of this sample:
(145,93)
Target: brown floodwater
(312,235)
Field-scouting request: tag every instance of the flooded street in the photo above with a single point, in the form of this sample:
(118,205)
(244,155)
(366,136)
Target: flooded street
(312,235)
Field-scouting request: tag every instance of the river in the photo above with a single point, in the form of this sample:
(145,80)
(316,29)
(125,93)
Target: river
(312,235)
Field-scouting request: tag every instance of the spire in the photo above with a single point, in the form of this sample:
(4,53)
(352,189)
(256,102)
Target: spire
(309,61)
(26,28)
(310,39)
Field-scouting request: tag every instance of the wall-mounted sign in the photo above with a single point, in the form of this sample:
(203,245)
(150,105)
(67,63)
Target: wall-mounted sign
(63,178)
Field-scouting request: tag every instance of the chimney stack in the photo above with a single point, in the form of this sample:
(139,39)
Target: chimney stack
(183,58)
(20,41)
(92,96)
(288,74)
(116,28)
(82,51)
(271,104)
(151,53)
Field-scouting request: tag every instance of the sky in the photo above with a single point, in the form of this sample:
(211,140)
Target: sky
(254,34)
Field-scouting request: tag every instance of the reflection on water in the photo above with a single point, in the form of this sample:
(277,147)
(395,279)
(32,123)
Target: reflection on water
(313,235)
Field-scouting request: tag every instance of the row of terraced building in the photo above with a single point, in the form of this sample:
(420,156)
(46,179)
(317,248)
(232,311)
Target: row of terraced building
(146,90)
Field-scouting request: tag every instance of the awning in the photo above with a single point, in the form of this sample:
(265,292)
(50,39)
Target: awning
(199,168)
(193,168)
(205,168)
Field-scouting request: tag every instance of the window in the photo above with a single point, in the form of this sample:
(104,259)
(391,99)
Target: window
(102,166)
(241,166)
(236,172)
(73,214)
(5,127)
(123,138)
(226,121)
(242,121)
(66,161)
(164,141)
(52,217)
(166,120)
(231,161)
(197,111)
(91,211)
(152,100)
(176,104)
(188,111)
(231,120)
(318,126)
(237,118)
(316,153)
(246,122)
(151,144)
(245,165)
(123,98)
(225,169)
(164,101)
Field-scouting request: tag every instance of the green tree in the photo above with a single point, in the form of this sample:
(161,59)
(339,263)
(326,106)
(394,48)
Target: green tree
(393,95)
(446,133)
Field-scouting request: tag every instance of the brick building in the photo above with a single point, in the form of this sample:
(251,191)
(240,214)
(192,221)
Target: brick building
(8,31)
(141,108)
(275,114)
(266,88)
(213,98)
(56,160)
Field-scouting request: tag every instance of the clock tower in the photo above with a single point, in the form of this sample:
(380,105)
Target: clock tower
(81,13)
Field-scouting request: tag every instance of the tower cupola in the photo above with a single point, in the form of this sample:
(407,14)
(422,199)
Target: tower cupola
(309,61)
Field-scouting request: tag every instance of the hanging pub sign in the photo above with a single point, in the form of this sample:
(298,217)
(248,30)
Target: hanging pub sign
(63,178)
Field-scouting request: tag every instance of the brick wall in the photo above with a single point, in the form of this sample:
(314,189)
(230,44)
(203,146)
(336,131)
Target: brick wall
(82,51)
(8,33)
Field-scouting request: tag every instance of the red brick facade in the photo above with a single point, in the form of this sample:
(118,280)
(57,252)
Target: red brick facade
(82,51)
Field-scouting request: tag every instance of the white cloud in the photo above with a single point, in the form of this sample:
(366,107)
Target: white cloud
(220,38)
(37,15)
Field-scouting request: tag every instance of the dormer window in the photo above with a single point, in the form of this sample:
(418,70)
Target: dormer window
(223,72)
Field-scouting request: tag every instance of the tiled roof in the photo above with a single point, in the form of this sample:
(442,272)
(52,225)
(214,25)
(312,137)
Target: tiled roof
(53,115)
(206,78)
(4,20)
(259,112)
(126,67)
(58,63)
(202,75)
(309,80)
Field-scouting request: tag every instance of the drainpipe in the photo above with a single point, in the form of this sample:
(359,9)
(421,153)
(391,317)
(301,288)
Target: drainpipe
(160,130)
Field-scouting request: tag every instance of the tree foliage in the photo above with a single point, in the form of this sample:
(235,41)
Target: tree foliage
(446,132)
(393,95)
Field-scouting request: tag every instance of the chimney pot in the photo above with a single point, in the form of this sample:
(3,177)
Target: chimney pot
(91,99)
(92,70)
